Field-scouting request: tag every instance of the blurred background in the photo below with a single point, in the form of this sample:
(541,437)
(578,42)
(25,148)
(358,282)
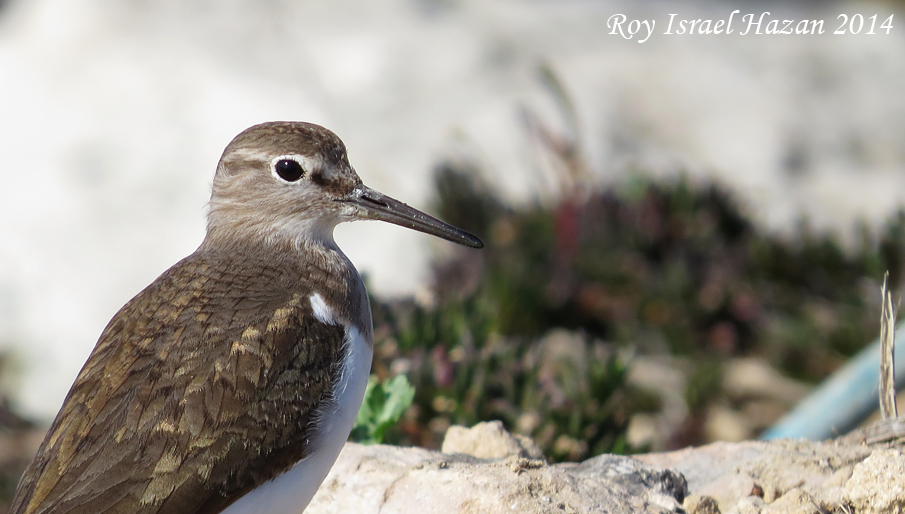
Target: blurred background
(684,235)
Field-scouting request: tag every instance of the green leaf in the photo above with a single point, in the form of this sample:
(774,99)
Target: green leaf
(383,405)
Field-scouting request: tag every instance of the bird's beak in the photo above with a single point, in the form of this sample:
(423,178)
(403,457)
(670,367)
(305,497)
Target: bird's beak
(378,206)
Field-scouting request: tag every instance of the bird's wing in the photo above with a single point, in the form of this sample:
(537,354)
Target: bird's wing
(192,397)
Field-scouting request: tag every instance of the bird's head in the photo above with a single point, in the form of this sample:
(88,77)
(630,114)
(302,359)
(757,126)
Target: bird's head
(292,182)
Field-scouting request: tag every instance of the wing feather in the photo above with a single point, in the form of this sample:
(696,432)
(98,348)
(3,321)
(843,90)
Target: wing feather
(197,381)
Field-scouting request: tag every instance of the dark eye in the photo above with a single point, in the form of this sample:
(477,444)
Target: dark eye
(289,170)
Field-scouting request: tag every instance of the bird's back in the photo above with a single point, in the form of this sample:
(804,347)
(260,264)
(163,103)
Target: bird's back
(202,387)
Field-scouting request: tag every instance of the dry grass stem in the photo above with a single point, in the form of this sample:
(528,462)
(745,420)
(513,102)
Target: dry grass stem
(887,349)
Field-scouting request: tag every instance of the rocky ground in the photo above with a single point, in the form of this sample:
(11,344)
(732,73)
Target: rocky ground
(485,469)
(488,470)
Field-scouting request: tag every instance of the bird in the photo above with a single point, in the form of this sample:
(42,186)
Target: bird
(231,383)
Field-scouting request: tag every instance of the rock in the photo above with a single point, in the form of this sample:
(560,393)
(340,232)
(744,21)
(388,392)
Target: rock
(754,378)
(489,440)
(795,501)
(725,424)
(727,489)
(768,492)
(665,377)
(748,505)
(785,476)
(878,483)
(779,465)
(700,504)
(833,474)
(387,479)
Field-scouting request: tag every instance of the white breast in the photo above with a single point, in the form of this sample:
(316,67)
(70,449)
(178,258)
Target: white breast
(290,492)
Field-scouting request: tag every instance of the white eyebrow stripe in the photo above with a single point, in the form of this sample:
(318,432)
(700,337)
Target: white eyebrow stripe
(322,312)
(252,154)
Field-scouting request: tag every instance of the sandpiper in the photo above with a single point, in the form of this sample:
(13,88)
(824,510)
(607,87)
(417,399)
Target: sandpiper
(231,383)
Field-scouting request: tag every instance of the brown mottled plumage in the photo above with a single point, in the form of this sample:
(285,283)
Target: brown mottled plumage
(215,378)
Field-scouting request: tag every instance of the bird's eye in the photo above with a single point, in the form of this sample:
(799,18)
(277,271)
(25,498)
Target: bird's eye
(289,170)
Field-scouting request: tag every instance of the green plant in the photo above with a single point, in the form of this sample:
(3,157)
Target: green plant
(384,403)
(672,267)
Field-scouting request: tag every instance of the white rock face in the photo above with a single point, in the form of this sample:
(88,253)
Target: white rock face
(878,484)
(776,477)
(489,440)
(391,480)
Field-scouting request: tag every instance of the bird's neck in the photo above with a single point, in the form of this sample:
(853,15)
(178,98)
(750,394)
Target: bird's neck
(316,260)
(228,225)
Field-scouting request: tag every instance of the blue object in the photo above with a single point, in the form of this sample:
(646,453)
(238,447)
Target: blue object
(844,400)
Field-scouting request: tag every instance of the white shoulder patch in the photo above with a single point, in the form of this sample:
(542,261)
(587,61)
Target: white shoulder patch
(322,312)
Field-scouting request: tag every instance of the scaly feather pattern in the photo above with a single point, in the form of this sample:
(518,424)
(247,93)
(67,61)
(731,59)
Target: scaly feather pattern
(201,388)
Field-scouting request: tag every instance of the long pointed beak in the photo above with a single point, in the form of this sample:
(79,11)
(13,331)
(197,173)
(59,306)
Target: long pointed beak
(378,206)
